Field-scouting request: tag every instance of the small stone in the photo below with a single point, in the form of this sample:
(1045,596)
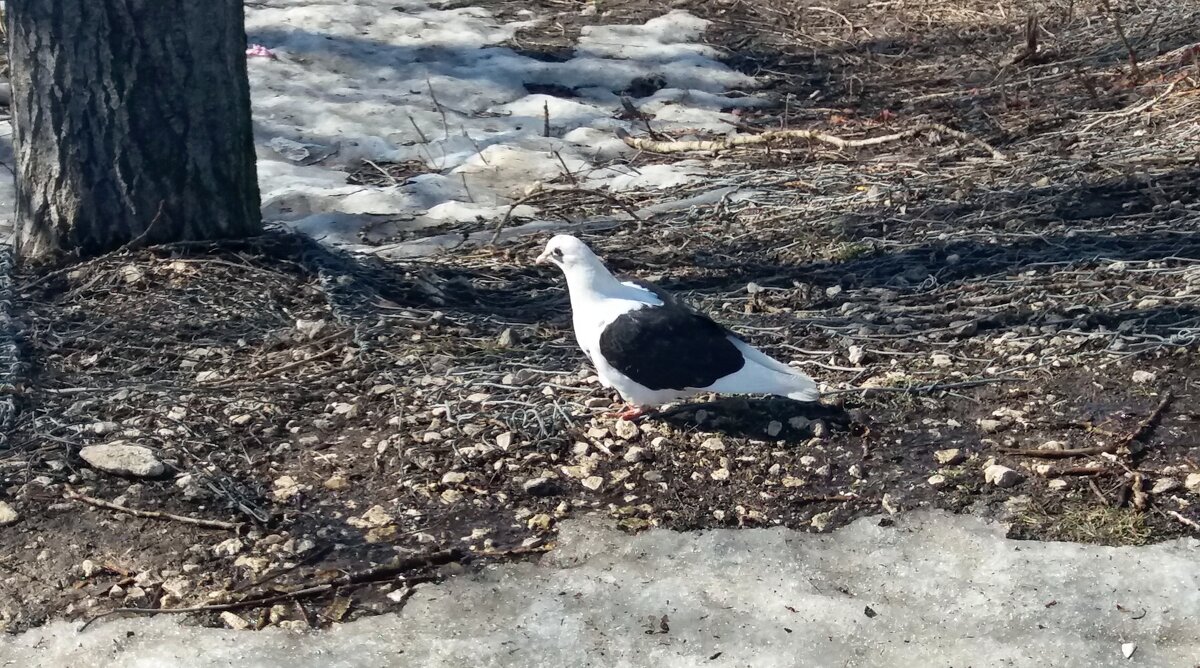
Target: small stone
(451,496)
(1192,482)
(790,481)
(131,274)
(833,291)
(540,522)
(990,426)
(234,621)
(399,595)
(1001,476)
(7,514)
(228,548)
(720,474)
(856,355)
(937,480)
(579,472)
(941,360)
(382,534)
(89,568)
(454,478)
(286,487)
(593,482)
(504,441)
(310,329)
(1142,376)
(821,520)
(799,422)
(626,430)
(634,455)
(135,593)
(820,429)
(1164,485)
(1127,649)
(508,338)
(123,458)
(774,428)
(336,483)
(1057,484)
(540,487)
(103,428)
(117,591)
(208,376)
(177,587)
(252,564)
(713,444)
(376,516)
(949,456)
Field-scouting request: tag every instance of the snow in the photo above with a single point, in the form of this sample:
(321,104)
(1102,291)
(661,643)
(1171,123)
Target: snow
(387,82)
(942,590)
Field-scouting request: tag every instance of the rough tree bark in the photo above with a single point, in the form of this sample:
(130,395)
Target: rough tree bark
(131,123)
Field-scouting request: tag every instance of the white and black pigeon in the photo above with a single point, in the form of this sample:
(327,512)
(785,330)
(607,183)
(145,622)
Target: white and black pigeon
(652,348)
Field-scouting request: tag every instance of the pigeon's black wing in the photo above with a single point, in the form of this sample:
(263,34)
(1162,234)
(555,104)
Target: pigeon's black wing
(669,347)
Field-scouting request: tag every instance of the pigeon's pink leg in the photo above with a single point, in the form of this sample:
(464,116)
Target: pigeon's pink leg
(631,413)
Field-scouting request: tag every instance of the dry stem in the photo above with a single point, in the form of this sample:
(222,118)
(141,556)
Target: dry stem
(815,135)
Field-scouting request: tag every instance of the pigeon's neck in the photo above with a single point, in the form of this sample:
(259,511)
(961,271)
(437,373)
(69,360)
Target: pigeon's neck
(593,282)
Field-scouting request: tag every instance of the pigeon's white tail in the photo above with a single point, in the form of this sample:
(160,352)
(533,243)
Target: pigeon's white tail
(764,375)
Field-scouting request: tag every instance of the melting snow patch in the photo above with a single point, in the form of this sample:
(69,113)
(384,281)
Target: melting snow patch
(378,81)
(931,590)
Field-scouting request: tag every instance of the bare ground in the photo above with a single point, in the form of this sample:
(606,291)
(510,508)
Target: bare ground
(345,413)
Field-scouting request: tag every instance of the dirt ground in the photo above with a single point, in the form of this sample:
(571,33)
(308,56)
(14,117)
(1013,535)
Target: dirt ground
(1038,313)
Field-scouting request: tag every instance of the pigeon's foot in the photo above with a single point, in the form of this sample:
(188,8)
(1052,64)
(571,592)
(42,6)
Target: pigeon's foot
(630,413)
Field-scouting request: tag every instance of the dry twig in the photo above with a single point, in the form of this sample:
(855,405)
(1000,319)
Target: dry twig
(770,136)
(1142,430)
(376,574)
(542,192)
(153,514)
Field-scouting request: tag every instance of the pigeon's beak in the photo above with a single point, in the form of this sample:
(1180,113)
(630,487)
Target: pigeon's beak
(544,258)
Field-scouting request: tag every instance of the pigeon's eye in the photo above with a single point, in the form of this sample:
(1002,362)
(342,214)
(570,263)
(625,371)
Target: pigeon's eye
(557,253)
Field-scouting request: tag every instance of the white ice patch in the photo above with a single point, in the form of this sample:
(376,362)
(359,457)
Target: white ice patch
(396,81)
(933,590)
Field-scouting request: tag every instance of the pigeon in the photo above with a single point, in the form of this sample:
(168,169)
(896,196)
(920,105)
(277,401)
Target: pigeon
(652,348)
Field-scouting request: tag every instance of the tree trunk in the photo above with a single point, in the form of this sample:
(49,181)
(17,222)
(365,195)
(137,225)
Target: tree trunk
(131,124)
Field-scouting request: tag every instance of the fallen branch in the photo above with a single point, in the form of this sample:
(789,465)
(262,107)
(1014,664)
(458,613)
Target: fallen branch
(153,514)
(376,574)
(1137,108)
(140,240)
(922,389)
(541,192)
(1143,429)
(769,136)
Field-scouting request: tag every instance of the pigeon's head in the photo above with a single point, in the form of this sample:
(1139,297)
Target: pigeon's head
(568,253)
